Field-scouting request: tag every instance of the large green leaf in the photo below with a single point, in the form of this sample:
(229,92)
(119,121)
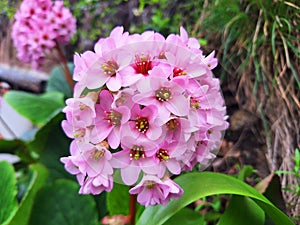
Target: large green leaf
(187,217)
(60,203)
(117,200)
(38,178)
(39,109)
(56,146)
(198,185)
(242,210)
(8,191)
(58,82)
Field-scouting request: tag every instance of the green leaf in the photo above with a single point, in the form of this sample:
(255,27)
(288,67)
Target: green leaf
(38,179)
(39,109)
(117,200)
(58,82)
(187,217)
(198,185)
(10,146)
(242,210)
(8,191)
(54,150)
(60,203)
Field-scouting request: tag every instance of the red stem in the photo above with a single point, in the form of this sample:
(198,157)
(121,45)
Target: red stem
(66,70)
(132,209)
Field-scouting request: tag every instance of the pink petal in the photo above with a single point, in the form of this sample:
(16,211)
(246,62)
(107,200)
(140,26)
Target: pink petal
(130,174)
(154,132)
(178,105)
(114,83)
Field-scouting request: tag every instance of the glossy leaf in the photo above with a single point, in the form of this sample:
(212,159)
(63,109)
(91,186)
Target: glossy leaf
(198,185)
(117,200)
(242,210)
(39,109)
(60,203)
(58,82)
(8,191)
(187,217)
(38,179)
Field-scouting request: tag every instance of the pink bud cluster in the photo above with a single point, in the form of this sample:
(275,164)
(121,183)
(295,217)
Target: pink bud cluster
(39,26)
(144,107)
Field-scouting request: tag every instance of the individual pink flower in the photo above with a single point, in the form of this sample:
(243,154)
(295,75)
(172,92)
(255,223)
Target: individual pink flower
(143,123)
(165,158)
(110,120)
(106,70)
(152,191)
(96,185)
(135,157)
(167,95)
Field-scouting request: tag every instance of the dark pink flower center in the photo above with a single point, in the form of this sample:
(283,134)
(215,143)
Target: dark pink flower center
(172,124)
(178,72)
(143,64)
(121,100)
(97,154)
(163,94)
(162,155)
(195,103)
(80,132)
(137,152)
(114,118)
(149,184)
(110,68)
(142,124)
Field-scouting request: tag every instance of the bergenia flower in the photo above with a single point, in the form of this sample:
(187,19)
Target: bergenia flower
(152,191)
(144,106)
(39,26)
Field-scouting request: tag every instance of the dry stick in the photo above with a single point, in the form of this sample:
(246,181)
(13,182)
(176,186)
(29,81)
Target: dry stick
(132,209)
(63,60)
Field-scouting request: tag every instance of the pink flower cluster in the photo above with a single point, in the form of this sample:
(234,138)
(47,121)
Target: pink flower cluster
(39,26)
(144,107)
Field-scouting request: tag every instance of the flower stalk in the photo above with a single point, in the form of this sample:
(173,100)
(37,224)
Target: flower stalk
(132,209)
(65,67)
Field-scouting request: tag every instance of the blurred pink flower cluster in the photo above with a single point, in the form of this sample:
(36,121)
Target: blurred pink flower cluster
(146,106)
(39,26)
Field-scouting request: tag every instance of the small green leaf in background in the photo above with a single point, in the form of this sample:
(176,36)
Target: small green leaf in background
(118,200)
(242,211)
(10,146)
(56,145)
(58,82)
(60,204)
(187,217)
(198,185)
(38,179)
(39,109)
(8,192)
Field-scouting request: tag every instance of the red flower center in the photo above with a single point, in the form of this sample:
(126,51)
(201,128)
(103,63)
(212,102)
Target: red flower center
(178,72)
(162,155)
(142,124)
(137,152)
(143,64)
